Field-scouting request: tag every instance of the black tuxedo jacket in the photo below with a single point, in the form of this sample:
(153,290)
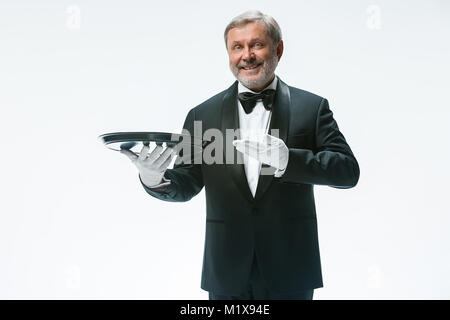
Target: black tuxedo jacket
(279,224)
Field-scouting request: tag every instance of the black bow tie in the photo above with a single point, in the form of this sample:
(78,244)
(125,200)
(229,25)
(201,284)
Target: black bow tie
(248,99)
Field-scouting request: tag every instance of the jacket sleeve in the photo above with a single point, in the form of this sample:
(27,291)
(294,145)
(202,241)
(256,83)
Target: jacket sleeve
(332,163)
(186,180)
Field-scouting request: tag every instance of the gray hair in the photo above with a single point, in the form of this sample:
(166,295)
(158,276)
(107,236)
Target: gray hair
(272,27)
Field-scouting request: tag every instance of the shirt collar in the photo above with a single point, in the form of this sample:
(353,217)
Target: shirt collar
(272,85)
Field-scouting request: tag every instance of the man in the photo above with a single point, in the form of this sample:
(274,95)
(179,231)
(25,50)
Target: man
(261,237)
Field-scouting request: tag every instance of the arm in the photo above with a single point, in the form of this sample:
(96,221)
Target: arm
(332,163)
(186,180)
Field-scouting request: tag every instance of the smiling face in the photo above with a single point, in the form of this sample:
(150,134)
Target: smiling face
(253,57)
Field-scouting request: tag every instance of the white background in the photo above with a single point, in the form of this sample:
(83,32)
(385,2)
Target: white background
(74,219)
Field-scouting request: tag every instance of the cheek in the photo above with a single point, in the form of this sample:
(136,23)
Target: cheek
(234,61)
(266,56)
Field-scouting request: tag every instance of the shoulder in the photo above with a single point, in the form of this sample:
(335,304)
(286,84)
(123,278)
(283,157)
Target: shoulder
(212,105)
(305,97)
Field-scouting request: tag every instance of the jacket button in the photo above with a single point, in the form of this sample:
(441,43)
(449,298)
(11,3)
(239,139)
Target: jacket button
(255,211)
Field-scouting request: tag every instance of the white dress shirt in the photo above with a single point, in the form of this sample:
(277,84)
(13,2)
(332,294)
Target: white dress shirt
(251,125)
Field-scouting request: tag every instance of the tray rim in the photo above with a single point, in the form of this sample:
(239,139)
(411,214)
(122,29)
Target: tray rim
(108,138)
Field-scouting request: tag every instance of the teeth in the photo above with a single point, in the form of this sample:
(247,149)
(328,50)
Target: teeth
(249,68)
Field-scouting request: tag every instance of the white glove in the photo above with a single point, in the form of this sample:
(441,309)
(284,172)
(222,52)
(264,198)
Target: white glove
(152,166)
(266,149)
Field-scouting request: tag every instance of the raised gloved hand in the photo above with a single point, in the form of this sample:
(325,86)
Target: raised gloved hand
(153,165)
(266,149)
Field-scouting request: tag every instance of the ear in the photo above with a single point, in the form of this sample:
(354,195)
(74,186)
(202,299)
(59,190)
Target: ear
(280,49)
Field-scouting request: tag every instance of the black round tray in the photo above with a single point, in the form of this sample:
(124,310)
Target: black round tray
(136,140)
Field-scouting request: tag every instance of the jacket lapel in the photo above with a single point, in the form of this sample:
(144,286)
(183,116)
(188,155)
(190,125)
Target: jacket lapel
(230,120)
(280,121)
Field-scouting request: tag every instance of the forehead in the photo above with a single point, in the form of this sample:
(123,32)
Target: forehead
(248,32)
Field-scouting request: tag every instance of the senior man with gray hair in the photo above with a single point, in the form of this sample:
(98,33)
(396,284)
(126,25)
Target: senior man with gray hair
(261,237)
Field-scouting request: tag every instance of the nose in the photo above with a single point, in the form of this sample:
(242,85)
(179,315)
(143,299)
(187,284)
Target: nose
(248,54)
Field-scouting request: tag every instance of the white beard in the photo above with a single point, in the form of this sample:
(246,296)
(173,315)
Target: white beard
(266,74)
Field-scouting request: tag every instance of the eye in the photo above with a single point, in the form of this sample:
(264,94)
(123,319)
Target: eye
(258,44)
(237,47)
